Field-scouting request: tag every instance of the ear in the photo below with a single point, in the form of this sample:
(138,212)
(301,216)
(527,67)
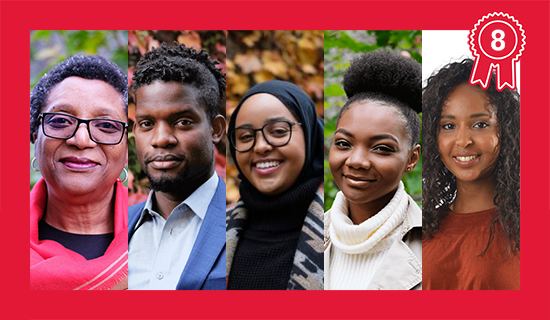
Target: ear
(217,126)
(414,157)
(34,137)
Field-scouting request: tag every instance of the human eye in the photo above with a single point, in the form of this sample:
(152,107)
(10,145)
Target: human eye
(448,126)
(244,135)
(383,149)
(59,121)
(145,124)
(107,126)
(342,144)
(278,129)
(481,125)
(183,123)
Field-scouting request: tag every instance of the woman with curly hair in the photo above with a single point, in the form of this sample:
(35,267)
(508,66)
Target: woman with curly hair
(373,230)
(471,207)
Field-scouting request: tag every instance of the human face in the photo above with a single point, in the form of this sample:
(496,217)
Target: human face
(468,134)
(370,153)
(174,137)
(271,170)
(79,166)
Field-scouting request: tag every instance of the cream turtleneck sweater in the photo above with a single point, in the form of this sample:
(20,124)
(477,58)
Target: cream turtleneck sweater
(358,250)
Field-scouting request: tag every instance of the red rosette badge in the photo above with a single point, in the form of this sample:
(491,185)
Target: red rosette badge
(497,41)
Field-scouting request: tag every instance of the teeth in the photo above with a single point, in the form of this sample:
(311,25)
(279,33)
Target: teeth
(265,165)
(466,158)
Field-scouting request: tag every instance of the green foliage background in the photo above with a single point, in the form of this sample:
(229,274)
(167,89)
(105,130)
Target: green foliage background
(339,49)
(50,47)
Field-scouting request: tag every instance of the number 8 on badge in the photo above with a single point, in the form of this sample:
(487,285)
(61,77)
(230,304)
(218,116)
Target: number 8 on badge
(497,40)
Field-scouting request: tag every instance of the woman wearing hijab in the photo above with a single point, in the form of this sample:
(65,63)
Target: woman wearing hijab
(78,212)
(274,239)
(373,230)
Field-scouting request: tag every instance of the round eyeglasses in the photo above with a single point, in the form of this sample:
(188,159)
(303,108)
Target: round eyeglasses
(64,126)
(276,134)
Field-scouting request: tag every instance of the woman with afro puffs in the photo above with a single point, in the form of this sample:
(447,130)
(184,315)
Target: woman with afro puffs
(373,230)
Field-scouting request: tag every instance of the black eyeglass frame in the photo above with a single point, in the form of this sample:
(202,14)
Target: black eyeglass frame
(41,118)
(290,123)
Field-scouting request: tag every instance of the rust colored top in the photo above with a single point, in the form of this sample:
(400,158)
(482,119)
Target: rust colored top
(452,259)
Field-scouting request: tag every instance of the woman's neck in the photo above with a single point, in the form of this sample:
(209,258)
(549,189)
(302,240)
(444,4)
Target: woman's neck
(360,213)
(474,196)
(81,215)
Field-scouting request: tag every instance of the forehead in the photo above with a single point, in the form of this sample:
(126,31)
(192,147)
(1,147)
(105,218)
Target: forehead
(162,99)
(261,107)
(467,99)
(367,119)
(85,98)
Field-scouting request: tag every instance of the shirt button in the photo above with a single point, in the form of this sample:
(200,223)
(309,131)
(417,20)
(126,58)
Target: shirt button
(160,276)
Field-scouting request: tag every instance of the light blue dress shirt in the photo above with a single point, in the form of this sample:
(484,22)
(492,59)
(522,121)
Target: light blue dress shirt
(160,248)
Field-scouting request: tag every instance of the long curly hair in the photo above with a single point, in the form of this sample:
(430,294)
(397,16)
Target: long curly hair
(439,184)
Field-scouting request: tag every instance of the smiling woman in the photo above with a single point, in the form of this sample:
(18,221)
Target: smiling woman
(78,209)
(273,234)
(471,226)
(372,231)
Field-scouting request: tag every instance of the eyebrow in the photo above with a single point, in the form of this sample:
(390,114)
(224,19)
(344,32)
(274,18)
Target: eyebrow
(374,138)
(384,136)
(475,115)
(173,115)
(270,120)
(70,108)
(345,132)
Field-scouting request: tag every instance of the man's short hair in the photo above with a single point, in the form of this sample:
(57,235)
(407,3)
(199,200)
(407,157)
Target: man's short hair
(187,66)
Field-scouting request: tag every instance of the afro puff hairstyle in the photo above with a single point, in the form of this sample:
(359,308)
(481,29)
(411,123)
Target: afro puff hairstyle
(87,67)
(381,76)
(439,184)
(187,66)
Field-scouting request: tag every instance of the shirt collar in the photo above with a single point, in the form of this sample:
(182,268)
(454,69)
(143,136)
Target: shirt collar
(198,201)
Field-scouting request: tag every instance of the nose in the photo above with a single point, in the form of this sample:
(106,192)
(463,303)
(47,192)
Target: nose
(81,138)
(359,159)
(261,145)
(463,137)
(163,137)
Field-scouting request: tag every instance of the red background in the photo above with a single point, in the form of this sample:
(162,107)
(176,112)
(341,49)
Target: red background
(18,302)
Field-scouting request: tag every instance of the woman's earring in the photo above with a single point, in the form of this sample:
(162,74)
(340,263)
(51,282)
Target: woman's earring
(409,169)
(125,176)
(32,164)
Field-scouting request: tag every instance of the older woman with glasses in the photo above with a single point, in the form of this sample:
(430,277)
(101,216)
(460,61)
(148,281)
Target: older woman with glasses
(78,213)
(274,234)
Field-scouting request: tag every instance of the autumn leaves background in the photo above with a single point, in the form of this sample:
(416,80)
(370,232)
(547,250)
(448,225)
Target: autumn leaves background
(315,60)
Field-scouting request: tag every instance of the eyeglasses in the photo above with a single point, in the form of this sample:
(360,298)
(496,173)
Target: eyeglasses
(276,134)
(64,126)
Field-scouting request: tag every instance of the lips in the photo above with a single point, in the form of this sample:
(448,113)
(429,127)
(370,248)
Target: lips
(357,181)
(79,164)
(266,167)
(466,160)
(165,162)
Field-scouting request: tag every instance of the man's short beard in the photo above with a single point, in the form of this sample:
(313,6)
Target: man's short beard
(168,185)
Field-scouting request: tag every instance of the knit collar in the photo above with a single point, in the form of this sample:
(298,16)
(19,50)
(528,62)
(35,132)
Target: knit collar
(372,234)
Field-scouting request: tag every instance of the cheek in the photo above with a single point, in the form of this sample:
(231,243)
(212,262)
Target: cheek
(335,159)
(242,158)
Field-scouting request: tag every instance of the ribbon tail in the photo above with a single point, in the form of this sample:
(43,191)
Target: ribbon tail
(481,73)
(506,75)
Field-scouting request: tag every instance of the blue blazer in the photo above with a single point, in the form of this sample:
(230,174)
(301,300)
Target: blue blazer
(205,269)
